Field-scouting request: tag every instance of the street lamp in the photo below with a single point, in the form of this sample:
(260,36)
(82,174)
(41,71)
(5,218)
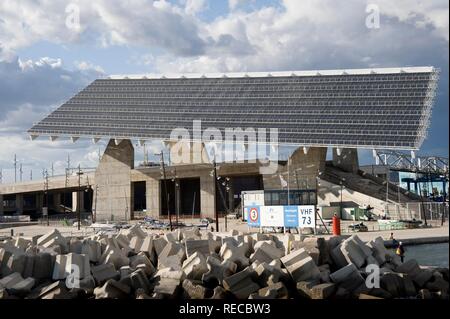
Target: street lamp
(342,188)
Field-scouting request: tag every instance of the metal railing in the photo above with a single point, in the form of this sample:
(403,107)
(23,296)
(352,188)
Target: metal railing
(434,213)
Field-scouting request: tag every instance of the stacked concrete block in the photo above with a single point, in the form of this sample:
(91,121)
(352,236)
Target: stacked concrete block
(301,266)
(133,231)
(218,271)
(112,289)
(92,249)
(194,290)
(172,256)
(22,243)
(43,266)
(348,277)
(159,244)
(235,254)
(53,238)
(266,252)
(419,276)
(15,263)
(193,234)
(139,280)
(381,254)
(195,266)
(23,287)
(198,266)
(65,265)
(241,284)
(75,245)
(201,246)
(11,280)
(353,252)
(114,256)
(168,282)
(104,272)
(323,291)
(275,291)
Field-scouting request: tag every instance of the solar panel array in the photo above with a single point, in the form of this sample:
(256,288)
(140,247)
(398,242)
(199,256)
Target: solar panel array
(372,110)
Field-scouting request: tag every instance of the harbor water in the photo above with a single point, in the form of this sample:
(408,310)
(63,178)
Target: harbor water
(429,254)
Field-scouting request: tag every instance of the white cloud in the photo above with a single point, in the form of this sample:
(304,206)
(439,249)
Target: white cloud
(87,66)
(195,6)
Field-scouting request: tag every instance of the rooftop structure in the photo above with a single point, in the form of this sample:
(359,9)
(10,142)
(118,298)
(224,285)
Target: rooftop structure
(363,108)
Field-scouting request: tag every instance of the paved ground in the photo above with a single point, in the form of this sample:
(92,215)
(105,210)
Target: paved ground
(241,226)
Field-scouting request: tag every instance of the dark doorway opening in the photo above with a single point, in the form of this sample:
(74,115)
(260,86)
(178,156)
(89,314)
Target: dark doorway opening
(189,196)
(139,200)
(232,196)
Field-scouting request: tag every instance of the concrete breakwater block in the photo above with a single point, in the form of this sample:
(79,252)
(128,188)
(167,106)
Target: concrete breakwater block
(196,265)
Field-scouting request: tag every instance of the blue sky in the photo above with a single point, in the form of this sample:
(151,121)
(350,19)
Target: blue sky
(45,58)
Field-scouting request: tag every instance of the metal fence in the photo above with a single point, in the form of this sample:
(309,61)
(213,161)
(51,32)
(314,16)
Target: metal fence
(434,213)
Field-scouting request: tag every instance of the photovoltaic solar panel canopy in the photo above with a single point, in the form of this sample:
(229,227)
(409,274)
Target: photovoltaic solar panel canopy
(358,108)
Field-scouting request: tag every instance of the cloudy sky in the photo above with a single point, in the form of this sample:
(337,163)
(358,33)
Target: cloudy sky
(49,50)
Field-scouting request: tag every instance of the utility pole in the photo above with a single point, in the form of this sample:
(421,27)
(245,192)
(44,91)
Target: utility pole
(215,185)
(15,168)
(53,170)
(31,174)
(46,196)
(78,196)
(20,171)
(163,167)
(1,176)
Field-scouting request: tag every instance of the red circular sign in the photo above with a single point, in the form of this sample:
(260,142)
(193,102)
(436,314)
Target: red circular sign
(253,214)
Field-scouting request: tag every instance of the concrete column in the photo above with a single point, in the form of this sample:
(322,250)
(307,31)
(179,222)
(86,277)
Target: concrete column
(78,198)
(207,195)
(19,204)
(57,202)
(347,160)
(2,208)
(39,201)
(113,178)
(152,197)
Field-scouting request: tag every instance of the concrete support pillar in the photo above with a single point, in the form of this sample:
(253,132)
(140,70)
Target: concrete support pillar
(152,197)
(113,179)
(78,199)
(57,202)
(207,195)
(2,207)
(39,201)
(19,204)
(347,160)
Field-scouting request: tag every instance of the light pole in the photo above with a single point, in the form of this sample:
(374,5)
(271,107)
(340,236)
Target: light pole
(342,188)
(80,193)
(46,195)
(163,167)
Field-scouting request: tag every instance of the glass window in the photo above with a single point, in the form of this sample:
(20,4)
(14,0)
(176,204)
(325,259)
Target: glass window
(275,199)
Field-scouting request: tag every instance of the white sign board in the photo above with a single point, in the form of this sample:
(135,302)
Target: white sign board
(272,216)
(281,216)
(306,216)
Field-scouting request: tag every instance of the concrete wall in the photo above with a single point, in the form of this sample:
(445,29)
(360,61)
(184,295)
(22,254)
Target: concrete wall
(330,192)
(207,195)
(347,160)
(113,179)
(303,170)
